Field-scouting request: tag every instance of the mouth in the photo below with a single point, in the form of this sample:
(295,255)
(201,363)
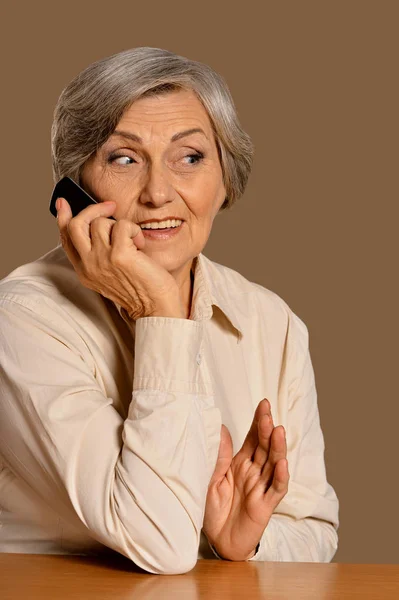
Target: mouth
(162,234)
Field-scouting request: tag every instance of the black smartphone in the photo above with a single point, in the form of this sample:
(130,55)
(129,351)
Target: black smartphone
(78,199)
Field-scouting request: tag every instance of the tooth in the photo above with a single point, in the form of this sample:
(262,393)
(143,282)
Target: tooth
(164,224)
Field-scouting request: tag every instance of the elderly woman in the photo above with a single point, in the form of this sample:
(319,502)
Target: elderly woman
(154,402)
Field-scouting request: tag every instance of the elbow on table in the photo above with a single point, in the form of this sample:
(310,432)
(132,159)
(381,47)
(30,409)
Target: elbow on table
(166,558)
(173,564)
(179,566)
(159,537)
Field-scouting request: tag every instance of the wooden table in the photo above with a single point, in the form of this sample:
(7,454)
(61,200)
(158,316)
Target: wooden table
(37,576)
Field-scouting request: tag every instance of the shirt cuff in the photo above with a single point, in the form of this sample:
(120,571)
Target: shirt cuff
(256,552)
(167,355)
(221,557)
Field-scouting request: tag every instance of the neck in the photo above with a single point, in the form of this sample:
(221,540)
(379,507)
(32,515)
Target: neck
(185,282)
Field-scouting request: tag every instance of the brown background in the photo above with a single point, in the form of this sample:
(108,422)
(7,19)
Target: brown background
(316,86)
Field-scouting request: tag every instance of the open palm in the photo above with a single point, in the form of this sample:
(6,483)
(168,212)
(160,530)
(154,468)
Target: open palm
(245,490)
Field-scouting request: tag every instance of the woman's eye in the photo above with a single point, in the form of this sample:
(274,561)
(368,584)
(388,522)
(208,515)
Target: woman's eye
(113,158)
(198,156)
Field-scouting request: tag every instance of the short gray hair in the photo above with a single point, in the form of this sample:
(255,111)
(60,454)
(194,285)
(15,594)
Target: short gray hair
(91,105)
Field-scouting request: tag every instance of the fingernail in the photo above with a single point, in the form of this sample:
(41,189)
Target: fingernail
(58,204)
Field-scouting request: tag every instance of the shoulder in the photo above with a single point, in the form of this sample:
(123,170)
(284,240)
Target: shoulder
(44,306)
(46,289)
(256,301)
(46,276)
(295,326)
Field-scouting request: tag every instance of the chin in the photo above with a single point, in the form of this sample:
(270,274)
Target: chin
(172,261)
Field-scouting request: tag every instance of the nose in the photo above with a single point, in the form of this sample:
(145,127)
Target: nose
(157,188)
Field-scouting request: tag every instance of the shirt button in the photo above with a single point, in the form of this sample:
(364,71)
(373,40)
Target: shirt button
(198,358)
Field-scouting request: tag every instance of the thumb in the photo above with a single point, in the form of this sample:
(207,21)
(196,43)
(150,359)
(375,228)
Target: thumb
(225,455)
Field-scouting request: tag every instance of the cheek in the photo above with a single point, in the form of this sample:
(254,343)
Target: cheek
(201,209)
(203,196)
(110,186)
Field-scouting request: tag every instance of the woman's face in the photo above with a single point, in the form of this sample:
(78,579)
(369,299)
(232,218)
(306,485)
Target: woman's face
(156,177)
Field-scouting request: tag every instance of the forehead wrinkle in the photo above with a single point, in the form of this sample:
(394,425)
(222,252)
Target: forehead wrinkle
(176,136)
(153,116)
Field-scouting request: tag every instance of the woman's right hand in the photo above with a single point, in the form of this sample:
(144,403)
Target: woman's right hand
(107,258)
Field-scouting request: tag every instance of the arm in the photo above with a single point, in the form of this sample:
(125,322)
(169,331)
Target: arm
(304,525)
(137,486)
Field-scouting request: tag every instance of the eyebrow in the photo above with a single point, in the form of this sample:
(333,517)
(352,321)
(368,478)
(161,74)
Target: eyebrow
(174,138)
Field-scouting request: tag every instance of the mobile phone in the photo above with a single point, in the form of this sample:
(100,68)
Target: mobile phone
(78,199)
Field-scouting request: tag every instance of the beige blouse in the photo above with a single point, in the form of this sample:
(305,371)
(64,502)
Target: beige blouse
(109,430)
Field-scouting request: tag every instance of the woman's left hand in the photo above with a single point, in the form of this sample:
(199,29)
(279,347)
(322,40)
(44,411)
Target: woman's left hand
(245,490)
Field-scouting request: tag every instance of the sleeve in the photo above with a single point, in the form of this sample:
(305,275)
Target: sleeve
(222,558)
(304,525)
(137,485)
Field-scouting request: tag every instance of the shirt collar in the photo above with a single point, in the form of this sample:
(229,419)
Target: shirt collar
(210,288)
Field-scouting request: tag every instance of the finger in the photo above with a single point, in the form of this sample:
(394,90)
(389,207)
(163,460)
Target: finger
(64,215)
(126,234)
(265,431)
(278,447)
(279,486)
(79,226)
(101,232)
(277,451)
(251,439)
(262,450)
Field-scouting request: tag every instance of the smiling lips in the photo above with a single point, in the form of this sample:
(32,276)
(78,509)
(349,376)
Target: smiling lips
(159,220)
(162,234)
